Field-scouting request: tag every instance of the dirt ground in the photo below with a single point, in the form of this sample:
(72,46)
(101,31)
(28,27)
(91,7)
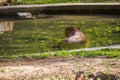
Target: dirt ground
(56,68)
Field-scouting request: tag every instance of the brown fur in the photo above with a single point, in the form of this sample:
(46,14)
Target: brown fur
(73,35)
(9,1)
(69,30)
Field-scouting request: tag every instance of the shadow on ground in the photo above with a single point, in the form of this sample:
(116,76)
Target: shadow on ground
(96,76)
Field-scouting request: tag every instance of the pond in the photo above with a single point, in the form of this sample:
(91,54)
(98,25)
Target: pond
(43,34)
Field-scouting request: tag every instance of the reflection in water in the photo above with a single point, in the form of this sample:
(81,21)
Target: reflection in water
(6,26)
(40,35)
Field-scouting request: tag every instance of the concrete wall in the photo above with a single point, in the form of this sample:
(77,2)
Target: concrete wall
(76,8)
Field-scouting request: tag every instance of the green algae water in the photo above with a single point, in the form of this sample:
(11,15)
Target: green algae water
(43,34)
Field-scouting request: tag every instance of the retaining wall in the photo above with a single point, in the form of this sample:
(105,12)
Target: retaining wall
(76,8)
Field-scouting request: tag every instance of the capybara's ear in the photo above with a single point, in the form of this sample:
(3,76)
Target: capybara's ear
(9,1)
(78,28)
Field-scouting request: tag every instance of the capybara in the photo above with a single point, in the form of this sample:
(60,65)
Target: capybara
(73,34)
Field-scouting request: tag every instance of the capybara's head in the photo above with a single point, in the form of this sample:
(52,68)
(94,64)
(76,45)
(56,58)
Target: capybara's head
(70,30)
(9,1)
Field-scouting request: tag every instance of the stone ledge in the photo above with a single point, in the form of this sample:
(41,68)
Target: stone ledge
(70,8)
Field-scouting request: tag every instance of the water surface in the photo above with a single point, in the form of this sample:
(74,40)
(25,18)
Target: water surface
(41,35)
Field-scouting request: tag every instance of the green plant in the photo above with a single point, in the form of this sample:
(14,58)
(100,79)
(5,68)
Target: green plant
(2,70)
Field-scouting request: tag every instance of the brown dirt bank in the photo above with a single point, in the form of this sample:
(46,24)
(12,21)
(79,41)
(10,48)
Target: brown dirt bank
(56,67)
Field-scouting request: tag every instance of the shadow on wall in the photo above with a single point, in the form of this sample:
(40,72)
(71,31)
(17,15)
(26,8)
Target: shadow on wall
(6,26)
(96,76)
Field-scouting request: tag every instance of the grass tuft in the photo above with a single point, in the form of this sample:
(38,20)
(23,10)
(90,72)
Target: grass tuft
(60,1)
(109,53)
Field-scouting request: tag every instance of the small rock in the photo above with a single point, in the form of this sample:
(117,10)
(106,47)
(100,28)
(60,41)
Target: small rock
(24,15)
